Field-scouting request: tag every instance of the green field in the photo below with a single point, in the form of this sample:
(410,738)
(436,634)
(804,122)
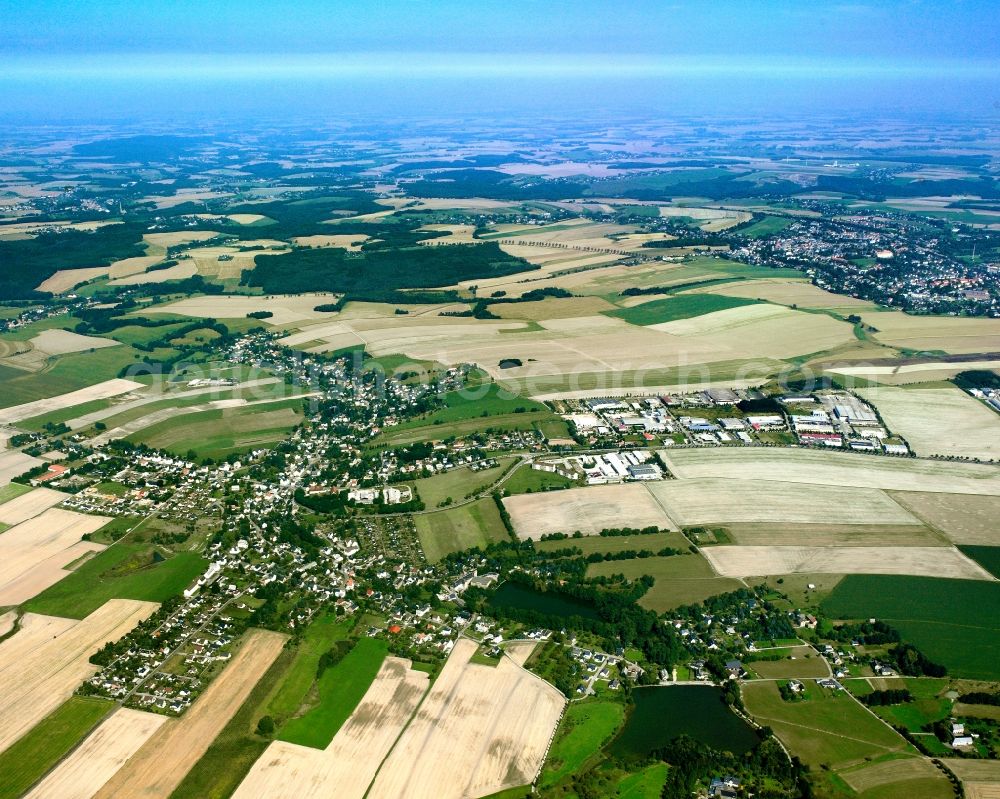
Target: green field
(318,638)
(339,690)
(953,622)
(457,483)
(27,760)
(928,705)
(585,728)
(527,480)
(987,557)
(767,226)
(221,432)
(123,571)
(12,490)
(645,784)
(473,525)
(64,373)
(828,728)
(679,579)
(683,306)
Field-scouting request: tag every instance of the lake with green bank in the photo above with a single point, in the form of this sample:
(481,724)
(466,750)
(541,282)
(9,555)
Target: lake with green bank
(662,713)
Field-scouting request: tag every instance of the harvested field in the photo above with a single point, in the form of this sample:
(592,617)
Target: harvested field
(180,271)
(96,760)
(720,501)
(753,561)
(346,241)
(780,533)
(904,373)
(981,778)
(939,421)
(43,663)
(763,330)
(895,772)
(349,764)
(66,279)
(962,518)
(108,388)
(480,729)
(835,468)
(27,506)
(7,622)
(951,334)
(788,291)
(60,342)
(167,240)
(132,266)
(553,308)
(14,463)
(287,309)
(33,552)
(588,510)
(162,762)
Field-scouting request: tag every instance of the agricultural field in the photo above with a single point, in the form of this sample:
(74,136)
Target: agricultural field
(97,391)
(14,463)
(353,757)
(588,510)
(125,570)
(939,421)
(981,778)
(27,504)
(34,553)
(935,334)
(788,291)
(287,310)
(683,306)
(913,777)
(90,765)
(454,529)
(159,765)
(828,729)
(702,501)
(585,728)
(678,579)
(800,662)
(456,484)
(953,622)
(617,543)
(479,730)
(48,657)
(987,557)
(219,432)
(835,468)
(748,561)
(52,738)
(338,692)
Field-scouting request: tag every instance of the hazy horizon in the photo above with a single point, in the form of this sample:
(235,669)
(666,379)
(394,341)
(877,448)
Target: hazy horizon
(114,60)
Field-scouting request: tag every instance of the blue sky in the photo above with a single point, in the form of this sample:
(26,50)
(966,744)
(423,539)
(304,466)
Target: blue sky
(931,51)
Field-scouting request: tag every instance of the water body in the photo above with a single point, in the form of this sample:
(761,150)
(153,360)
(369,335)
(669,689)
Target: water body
(522,597)
(662,713)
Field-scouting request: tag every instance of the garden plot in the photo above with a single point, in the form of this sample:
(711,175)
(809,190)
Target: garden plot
(707,501)
(588,510)
(44,662)
(349,764)
(481,729)
(34,552)
(762,561)
(939,421)
(160,764)
(102,753)
(817,467)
